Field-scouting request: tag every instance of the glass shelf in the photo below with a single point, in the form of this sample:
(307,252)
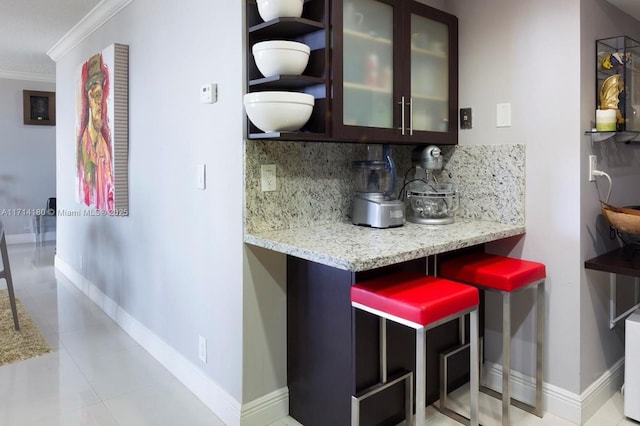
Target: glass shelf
(621,137)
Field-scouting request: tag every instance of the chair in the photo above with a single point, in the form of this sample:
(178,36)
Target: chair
(6,274)
(505,275)
(42,221)
(420,302)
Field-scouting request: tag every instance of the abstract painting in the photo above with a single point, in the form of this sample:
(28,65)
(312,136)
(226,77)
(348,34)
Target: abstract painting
(102,131)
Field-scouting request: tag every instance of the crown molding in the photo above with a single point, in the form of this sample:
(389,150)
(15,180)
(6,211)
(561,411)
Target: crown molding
(93,20)
(28,76)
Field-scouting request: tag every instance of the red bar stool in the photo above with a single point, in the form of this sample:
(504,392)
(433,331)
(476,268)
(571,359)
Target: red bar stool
(420,302)
(505,275)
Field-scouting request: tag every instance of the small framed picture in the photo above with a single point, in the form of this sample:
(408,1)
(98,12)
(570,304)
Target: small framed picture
(39,107)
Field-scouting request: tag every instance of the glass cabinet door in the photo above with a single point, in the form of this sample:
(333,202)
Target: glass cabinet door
(429,75)
(367,64)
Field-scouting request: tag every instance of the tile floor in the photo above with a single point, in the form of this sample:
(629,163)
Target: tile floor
(97,375)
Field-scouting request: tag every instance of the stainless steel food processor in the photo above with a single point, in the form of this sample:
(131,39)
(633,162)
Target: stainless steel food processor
(430,202)
(373,202)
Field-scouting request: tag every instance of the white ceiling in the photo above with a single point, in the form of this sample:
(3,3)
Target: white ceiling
(29,28)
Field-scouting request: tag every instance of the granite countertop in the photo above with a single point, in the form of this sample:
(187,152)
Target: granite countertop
(355,248)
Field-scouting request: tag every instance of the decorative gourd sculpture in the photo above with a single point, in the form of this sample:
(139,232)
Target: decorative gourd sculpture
(609,95)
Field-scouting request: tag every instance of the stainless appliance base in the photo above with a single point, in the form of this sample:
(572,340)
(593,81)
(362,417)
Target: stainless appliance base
(430,220)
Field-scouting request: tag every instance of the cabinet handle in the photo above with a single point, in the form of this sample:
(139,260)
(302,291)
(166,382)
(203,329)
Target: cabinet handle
(402,114)
(411,116)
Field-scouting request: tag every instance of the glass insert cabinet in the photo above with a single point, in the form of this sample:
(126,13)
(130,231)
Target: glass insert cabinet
(618,80)
(391,73)
(395,72)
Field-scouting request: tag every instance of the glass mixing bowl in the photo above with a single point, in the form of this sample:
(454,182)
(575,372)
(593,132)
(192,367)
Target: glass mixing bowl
(432,201)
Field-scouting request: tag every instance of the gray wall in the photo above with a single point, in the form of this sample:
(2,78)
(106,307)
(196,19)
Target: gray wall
(27,157)
(601,347)
(175,263)
(531,55)
(522,53)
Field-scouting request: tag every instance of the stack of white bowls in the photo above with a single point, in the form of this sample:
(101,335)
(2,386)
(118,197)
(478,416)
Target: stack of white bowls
(274,111)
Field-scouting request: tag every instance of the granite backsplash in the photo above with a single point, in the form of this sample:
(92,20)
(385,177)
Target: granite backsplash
(314,181)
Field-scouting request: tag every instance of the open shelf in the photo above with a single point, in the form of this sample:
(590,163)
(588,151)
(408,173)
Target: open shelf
(621,137)
(289,27)
(285,82)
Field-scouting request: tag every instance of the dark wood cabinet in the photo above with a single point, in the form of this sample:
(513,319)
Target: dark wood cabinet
(380,70)
(395,69)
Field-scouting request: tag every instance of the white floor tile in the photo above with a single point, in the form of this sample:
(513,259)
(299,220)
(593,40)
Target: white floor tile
(91,415)
(147,407)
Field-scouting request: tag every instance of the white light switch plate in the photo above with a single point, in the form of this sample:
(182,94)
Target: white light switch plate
(503,115)
(201,176)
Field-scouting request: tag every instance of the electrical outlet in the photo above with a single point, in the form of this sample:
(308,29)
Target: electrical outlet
(593,164)
(268,177)
(202,349)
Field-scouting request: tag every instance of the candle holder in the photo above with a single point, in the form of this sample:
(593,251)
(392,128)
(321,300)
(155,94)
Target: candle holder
(618,80)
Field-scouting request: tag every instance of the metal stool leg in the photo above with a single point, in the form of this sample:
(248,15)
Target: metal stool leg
(536,407)
(6,274)
(421,376)
(506,356)
(540,301)
(474,379)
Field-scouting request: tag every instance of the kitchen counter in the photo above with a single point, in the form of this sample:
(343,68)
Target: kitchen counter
(354,248)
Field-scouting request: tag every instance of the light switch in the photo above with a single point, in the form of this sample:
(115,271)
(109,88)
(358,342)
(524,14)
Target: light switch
(209,93)
(202,178)
(503,115)
(465,118)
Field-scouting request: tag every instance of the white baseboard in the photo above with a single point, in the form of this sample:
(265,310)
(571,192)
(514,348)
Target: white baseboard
(262,411)
(602,389)
(267,409)
(557,401)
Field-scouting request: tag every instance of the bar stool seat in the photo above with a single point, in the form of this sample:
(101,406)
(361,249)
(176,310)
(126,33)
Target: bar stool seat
(505,275)
(420,302)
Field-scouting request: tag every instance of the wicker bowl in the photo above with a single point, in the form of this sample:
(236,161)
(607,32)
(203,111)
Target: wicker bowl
(624,219)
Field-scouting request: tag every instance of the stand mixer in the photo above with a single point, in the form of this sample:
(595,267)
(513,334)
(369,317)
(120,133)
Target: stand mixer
(373,202)
(430,202)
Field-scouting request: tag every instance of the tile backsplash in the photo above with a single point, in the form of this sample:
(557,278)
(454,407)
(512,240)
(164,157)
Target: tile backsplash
(314,181)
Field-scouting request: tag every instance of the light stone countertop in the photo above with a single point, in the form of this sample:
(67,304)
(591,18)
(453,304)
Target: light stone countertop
(356,248)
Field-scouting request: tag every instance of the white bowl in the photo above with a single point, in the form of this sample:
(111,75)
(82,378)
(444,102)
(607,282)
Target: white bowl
(281,57)
(278,111)
(272,9)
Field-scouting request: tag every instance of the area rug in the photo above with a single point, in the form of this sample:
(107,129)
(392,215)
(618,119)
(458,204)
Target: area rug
(24,343)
